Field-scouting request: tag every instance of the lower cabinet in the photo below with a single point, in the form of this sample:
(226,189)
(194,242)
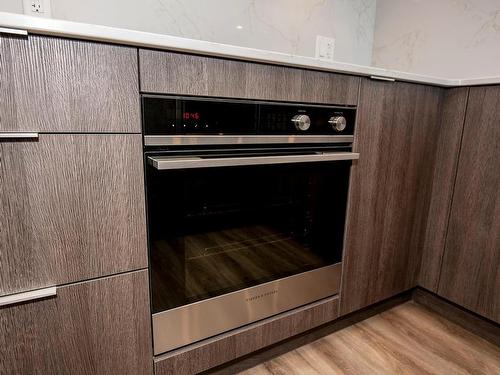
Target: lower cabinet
(71,209)
(444,171)
(470,273)
(389,190)
(96,327)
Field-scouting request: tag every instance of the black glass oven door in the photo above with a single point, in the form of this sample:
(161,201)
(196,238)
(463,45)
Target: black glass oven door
(217,230)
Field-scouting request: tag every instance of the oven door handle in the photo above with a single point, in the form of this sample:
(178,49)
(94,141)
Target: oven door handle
(169,162)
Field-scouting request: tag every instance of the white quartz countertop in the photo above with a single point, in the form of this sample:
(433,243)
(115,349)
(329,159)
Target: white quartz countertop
(78,30)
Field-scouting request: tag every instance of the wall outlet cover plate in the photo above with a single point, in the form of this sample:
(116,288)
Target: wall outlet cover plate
(37,8)
(325,47)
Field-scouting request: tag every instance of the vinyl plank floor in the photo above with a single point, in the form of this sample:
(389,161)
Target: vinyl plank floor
(407,339)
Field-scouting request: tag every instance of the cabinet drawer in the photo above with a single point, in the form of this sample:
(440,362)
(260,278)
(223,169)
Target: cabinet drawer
(175,73)
(71,208)
(60,85)
(95,327)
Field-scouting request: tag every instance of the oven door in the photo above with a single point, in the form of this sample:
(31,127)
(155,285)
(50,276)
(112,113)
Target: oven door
(237,238)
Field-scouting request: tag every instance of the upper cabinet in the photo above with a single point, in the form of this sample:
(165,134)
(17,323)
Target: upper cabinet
(389,190)
(60,85)
(470,274)
(182,74)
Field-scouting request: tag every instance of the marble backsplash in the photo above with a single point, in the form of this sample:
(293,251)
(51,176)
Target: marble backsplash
(288,26)
(445,38)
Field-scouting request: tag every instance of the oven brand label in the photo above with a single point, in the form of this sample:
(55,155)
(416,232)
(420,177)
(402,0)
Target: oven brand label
(262,295)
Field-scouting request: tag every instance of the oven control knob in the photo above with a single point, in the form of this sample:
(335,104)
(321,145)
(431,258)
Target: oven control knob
(338,123)
(301,122)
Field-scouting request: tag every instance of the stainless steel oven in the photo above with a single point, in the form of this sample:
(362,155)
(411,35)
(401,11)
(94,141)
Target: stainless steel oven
(246,210)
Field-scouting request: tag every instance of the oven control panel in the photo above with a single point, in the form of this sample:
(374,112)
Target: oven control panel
(164,115)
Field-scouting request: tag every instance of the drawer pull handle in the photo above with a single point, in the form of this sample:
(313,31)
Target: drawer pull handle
(28,296)
(379,78)
(8,30)
(15,136)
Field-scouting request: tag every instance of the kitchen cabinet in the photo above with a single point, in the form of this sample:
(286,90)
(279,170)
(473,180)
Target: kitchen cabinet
(96,327)
(174,73)
(389,190)
(451,123)
(470,274)
(60,85)
(71,208)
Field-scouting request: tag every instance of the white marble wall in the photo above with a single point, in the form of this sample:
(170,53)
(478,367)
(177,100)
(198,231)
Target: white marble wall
(446,38)
(11,6)
(288,26)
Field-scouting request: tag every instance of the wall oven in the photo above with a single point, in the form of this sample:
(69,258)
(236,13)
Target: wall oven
(246,210)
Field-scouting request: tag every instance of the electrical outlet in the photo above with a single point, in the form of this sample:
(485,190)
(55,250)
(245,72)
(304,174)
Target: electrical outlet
(40,8)
(37,6)
(325,47)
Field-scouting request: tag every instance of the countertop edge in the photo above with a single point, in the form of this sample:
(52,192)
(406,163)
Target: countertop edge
(46,26)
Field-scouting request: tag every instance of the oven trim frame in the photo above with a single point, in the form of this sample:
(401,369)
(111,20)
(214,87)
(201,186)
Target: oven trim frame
(206,140)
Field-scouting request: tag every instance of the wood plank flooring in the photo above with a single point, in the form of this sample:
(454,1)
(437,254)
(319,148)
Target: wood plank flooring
(407,339)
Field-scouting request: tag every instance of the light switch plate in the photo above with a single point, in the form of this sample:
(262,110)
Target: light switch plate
(38,8)
(325,47)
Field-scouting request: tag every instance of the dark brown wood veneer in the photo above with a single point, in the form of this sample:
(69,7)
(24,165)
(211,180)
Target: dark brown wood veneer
(175,73)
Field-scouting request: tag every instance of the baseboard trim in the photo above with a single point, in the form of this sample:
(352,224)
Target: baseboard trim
(485,328)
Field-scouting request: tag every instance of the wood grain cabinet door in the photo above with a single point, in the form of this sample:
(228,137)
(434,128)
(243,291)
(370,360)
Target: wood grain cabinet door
(175,73)
(452,117)
(389,190)
(60,85)
(95,327)
(470,274)
(71,208)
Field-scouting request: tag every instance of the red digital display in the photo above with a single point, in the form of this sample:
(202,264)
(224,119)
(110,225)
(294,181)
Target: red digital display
(191,115)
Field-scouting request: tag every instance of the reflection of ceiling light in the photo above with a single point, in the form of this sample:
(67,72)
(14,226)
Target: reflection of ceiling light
(239,27)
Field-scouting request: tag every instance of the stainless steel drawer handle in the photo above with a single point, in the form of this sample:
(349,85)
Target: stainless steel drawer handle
(8,30)
(15,136)
(168,162)
(28,296)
